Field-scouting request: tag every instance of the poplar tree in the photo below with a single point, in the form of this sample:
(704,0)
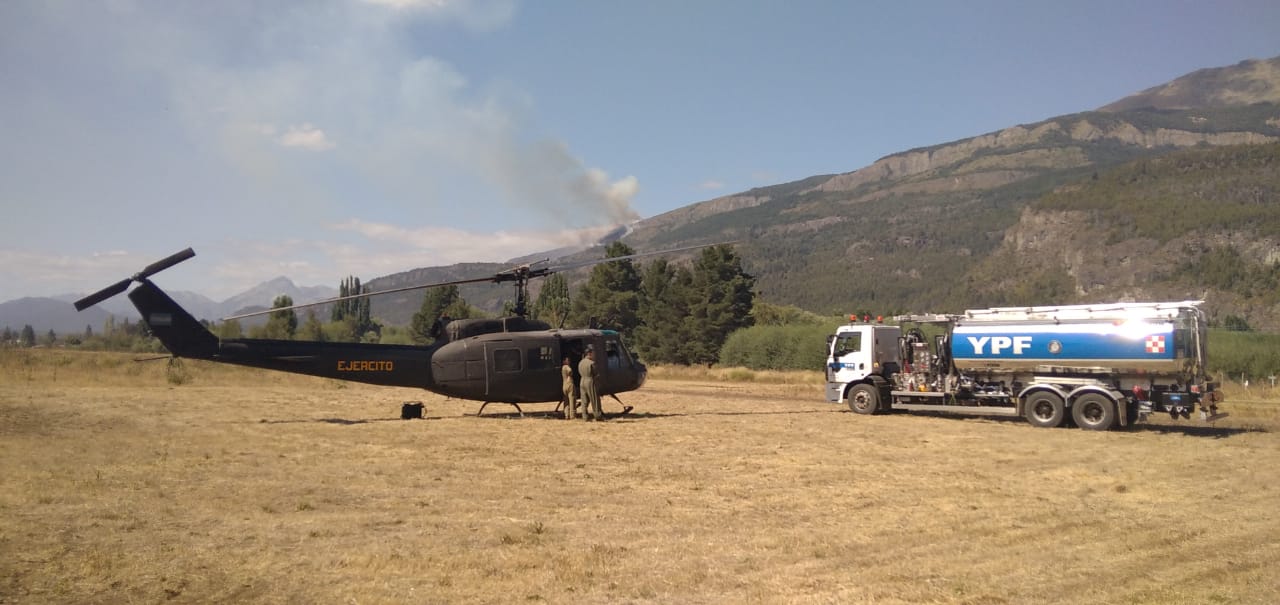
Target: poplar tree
(356,313)
(552,305)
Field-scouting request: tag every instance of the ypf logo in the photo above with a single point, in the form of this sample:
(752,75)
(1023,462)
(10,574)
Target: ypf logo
(1155,344)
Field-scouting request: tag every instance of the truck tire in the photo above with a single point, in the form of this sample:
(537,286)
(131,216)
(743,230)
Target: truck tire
(864,399)
(1045,409)
(1094,412)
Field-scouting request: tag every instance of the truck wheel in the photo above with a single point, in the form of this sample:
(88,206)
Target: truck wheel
(864,399)
(1045,409)
(1094,412)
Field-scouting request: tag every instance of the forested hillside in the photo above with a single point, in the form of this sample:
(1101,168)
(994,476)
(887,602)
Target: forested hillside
(968,223)
(1202,223)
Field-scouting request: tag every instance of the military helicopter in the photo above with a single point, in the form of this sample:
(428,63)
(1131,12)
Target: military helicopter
(510,360)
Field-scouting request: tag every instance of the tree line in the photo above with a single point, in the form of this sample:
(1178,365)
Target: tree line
(670,313)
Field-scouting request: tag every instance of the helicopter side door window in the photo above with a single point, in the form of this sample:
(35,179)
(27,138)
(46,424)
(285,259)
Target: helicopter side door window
(506,360)
(541,358)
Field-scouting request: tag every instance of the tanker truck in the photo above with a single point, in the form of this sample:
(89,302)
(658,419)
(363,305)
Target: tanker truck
(1095,366)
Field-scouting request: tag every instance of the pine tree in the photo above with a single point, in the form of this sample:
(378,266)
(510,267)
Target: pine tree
(722,302)
(611,295)
(28,336)
(665,295)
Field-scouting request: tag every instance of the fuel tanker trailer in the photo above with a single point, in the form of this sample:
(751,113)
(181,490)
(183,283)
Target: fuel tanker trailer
(1097,366)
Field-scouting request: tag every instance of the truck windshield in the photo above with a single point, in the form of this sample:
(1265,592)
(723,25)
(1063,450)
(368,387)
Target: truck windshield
(847,343)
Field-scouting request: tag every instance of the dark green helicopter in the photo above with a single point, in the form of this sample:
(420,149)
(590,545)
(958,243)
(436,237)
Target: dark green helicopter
(510,360)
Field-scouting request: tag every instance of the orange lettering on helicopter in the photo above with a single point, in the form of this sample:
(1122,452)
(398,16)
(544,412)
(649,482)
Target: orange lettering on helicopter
(366,366)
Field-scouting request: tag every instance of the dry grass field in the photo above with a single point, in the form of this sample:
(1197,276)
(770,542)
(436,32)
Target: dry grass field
(236,485)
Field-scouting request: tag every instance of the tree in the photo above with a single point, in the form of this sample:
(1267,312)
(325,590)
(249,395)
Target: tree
(665,294)
(723,301)
(230,329)
(281,324)
(28,336)
(355,313)
(437,303)
(1235,323)
(50,338)
(553,302)
(611,295)
(312,329)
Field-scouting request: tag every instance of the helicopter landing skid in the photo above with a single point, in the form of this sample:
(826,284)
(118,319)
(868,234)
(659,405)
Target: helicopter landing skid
(514,405)
(626,409)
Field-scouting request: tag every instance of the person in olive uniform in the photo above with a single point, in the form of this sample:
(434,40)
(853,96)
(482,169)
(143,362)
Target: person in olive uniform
(569,401)
(590,399)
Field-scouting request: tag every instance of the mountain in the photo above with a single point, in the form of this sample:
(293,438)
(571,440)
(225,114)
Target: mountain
(939,228)
(44,314)
(1247,82)
(58,314)
(264,294)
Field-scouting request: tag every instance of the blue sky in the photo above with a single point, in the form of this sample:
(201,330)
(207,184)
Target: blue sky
(329,138)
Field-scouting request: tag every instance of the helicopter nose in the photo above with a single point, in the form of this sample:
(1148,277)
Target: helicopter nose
(642,373)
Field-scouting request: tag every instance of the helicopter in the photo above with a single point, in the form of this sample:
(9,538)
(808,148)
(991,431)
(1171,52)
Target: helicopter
(511,360)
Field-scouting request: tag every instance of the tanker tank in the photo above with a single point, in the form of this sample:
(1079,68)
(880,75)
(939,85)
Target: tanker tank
(1125,347)
(1158,338)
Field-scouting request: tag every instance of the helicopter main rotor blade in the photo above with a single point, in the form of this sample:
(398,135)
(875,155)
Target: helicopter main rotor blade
(520,273)
(164,263)
(317,303)
(103,294)
(588,263)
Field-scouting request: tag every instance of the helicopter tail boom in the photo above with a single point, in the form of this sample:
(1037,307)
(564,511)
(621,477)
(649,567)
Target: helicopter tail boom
(176,329)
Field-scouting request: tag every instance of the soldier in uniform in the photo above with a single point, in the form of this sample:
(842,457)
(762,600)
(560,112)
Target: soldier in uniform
(590,399)
(570,390)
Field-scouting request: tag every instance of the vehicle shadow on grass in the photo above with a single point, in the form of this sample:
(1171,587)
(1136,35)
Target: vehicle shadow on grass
(643,415)
(339,421)
(1190,430)
(1198,430)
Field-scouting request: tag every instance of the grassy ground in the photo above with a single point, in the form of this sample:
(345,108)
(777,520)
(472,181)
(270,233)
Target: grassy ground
(124,482)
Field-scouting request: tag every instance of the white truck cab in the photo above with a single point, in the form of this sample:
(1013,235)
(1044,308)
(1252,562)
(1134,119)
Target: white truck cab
(858,350)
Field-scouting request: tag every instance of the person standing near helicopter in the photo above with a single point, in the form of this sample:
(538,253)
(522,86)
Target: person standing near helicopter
(590,398)
(570,390)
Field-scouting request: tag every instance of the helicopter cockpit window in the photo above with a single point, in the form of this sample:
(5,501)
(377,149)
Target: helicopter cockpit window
(541,358)
(615,356)
(506,360)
